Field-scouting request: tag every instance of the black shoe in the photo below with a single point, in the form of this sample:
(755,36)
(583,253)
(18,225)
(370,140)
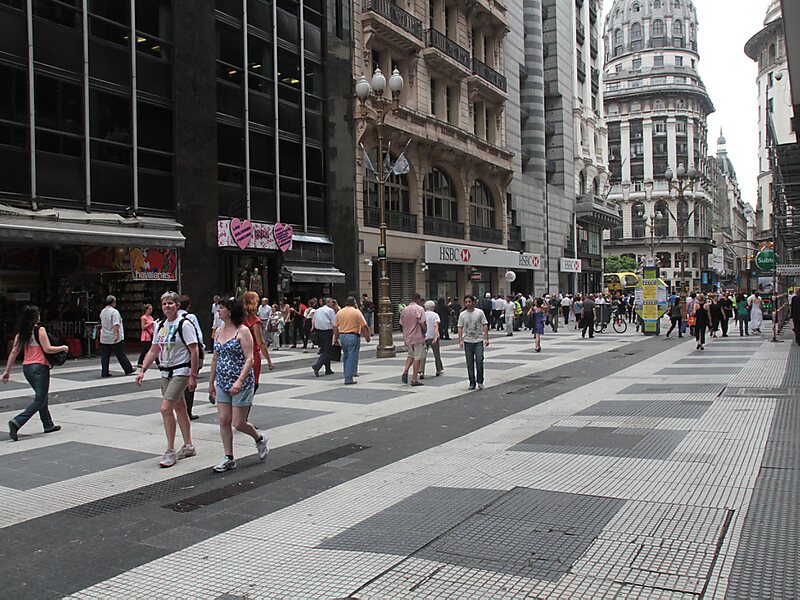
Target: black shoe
(316,371)
(416,383)
(404,377)
(131,372)
(194,417)
(13,428)
(328,372)
(104,376)
(53,429)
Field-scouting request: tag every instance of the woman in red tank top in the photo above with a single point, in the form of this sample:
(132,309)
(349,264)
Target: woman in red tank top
(34,343)
(252,321)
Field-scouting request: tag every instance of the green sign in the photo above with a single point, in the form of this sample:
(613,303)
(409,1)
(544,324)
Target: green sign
(765,260)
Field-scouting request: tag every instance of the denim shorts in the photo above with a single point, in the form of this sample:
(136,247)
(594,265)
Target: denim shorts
(243,398)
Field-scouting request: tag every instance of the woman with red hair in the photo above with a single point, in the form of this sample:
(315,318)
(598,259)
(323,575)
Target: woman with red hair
(253,322)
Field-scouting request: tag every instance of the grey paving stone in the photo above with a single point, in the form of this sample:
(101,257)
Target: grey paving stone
(604,441)
(413,522)
(32,468)
(647,408)
(704,370)
(93,375)
(352,395)
(271,388)
(431,380)
(177,538)
(495,365)
(133,408)
(13,385)
(267,417)
(672,388)
(714,360)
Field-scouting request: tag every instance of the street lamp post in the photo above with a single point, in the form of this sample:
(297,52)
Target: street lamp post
(684,180)
(651,224)
(377,109)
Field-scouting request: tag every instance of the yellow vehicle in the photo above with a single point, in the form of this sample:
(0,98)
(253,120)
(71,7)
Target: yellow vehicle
(620,282)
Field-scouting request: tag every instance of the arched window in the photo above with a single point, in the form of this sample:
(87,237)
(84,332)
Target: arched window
(581,183)
(698,232)
(635,7)
(681,103)
(658,28)
(396,194)
(596,186)
(691,31)
(665,259)
(662,219)
(617,233)
(772,52)
(658,104)
(677,29)
(440,196)
(637,220)
(618,37)
(695,260)
(481,206)
(636,31)
(657,4)
(676,4)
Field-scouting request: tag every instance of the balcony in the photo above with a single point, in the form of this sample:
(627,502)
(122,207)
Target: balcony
(580,31)
(485,234)
(595,80)
(395,220)
(592,11)
(391,23)
(597,211)
(443,228)
(581,68)
(487,82)
(446,55)
(593,48)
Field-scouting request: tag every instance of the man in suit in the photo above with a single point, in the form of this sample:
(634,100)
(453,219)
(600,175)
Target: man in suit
(795,312)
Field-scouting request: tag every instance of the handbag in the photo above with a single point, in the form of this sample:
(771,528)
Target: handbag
(336,352)
(692,320)
(57,359)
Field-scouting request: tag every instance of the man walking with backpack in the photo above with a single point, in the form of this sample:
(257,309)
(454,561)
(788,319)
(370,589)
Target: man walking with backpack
(175,351)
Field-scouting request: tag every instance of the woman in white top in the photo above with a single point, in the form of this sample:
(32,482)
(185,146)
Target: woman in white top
(432,321)
(756,316)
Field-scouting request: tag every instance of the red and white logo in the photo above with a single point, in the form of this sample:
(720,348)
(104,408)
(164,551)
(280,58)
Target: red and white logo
(535,261)
(465,255)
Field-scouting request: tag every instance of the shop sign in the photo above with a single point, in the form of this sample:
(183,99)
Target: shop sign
(788,270)
(246,234)
(154,264)
(475,276)
(765,260)
(473,256)
(570,265)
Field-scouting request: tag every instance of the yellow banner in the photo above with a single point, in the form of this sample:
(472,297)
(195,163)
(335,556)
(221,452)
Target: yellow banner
(650,292)
(650,312)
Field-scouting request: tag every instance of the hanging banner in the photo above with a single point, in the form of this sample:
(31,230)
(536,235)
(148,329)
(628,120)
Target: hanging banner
(250,235)
(154,264)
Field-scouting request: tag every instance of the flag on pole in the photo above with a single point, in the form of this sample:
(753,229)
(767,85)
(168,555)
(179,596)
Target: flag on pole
(367,162)
(401,165)
(387,159)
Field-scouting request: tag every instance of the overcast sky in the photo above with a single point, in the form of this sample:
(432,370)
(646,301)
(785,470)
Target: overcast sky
(730,78)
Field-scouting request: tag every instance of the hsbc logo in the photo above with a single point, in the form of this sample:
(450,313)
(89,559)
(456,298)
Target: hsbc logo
(465,255)
(529,260)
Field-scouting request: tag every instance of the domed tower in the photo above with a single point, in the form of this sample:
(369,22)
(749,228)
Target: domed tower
(656,111)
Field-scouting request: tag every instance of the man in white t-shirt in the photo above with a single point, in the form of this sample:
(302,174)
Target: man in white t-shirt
(566,306)
(175,351)
(112,338)
(432,321)
(472,326)
(508,315)
(264,311)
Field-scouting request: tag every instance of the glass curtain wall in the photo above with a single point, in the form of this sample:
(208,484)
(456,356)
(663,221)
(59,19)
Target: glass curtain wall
(100,139)
(264,176)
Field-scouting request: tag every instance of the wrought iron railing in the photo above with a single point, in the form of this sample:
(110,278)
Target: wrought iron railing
(486,72)
(403,19)
(485,234)
(395,220)
(438,40)
(443,228)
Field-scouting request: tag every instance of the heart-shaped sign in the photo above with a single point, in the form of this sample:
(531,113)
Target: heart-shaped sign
(283,236)
(242,232)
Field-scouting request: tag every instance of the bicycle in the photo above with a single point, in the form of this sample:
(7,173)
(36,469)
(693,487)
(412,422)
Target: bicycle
(618,322)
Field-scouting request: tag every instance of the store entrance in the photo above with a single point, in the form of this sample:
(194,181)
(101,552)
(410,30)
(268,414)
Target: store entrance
(250,271)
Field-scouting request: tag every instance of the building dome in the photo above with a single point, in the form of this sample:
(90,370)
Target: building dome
(721,141)
(773,12)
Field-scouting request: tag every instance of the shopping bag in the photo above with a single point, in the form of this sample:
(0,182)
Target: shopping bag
(692,321)
(336,352)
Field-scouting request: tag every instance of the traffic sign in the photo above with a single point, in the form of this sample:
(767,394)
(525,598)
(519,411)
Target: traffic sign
(765,260)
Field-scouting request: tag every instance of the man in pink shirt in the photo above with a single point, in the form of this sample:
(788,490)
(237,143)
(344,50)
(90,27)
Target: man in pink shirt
(413,323)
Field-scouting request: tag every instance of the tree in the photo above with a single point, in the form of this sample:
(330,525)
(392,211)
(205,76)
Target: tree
(619,264)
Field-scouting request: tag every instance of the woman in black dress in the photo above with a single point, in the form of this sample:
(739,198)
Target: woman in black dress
(702,317)
(715,308)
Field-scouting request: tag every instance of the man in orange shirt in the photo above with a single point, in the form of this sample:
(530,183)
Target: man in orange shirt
(348,327)
(413,324)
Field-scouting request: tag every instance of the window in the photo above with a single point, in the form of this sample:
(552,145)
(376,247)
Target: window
(657,4)
(772,53)
(637,64)
(658,104)
(676,4)
(658,28)
(677,29)
(635,7)
(770,80)
(581,183)
(482,209)
(678,61)
(636,107)
(637,220)
(636,36)
(594,242)
(433,96)
(662,219)
(660,127)
(618,37)
(440,196)
(396,193)
(658,61)
(619,68)
(665,259)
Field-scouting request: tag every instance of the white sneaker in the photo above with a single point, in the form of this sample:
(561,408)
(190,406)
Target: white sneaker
(480,386)
(263,448)
(186,451)
(226,464)
(168,460)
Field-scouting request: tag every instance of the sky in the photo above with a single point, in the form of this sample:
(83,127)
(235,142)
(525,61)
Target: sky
(730,79)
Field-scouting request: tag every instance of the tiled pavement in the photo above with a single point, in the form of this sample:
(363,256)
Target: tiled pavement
(620,467)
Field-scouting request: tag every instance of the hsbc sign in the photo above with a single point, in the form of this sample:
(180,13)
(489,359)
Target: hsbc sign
(571,265)
(474,256)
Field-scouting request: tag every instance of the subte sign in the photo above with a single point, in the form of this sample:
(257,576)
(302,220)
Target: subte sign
(765,260)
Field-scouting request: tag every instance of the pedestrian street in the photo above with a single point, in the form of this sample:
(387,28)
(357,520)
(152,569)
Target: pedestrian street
(619,466)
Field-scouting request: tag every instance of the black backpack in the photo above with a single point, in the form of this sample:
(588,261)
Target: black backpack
(57,359)
(201,354)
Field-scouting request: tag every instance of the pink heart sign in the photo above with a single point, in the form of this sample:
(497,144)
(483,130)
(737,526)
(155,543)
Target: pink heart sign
(242,232)
(283,236)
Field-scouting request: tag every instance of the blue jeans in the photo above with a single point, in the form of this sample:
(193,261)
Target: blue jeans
(474,353)
(39,378)
(351,342)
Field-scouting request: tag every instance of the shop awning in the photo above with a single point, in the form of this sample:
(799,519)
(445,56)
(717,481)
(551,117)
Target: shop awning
(22,229)
(312,274)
